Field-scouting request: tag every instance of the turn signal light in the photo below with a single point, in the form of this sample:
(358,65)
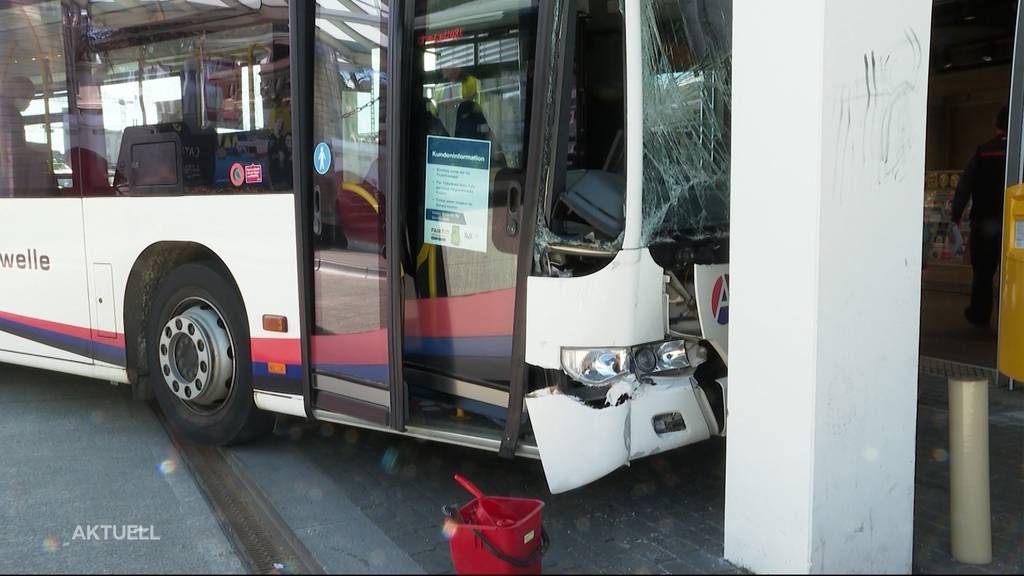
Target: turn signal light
(273,323)
(276,368)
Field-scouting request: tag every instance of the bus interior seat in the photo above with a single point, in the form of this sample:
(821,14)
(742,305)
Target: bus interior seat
(597,196)
(89,172)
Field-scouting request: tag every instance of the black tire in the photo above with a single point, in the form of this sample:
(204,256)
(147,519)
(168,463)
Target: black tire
(236,419)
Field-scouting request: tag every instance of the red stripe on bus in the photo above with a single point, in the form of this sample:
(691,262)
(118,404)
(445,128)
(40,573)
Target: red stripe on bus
(472,316)
(484,314)
(109,338)
(281,350)
(356,349)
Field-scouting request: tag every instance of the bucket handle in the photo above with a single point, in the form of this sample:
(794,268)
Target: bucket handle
(545,543)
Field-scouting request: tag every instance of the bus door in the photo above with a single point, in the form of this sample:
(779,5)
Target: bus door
(349,338)
(440,311)
(470,82)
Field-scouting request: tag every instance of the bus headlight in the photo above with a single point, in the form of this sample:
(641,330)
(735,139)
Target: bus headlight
(603,366)
(670,356)
(674,355)
(595,366)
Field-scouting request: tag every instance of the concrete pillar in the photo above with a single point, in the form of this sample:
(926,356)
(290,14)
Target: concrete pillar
(828,145)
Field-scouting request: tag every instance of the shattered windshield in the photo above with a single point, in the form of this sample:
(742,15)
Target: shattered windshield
(687,60)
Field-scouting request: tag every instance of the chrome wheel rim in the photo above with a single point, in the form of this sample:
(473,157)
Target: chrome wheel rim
(197,359)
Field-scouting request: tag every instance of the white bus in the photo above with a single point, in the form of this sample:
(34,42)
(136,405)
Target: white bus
(495,223)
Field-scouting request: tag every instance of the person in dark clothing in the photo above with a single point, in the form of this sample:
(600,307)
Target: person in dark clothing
(26,168)
(983,184)
(470,121)
(434,126)
(15,96)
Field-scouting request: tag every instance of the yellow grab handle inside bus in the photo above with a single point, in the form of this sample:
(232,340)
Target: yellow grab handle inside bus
(362,193)
(428,253)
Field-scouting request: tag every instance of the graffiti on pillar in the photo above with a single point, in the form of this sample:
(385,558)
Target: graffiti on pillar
(877,116)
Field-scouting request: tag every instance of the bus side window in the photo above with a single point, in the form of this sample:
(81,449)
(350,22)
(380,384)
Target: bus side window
(33,147)
(213,80)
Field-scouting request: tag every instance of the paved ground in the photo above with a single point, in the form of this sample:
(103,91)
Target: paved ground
(340,537)
(80,453)
(662,515)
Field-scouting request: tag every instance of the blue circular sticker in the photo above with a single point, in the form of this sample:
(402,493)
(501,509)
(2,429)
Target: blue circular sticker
(322,158)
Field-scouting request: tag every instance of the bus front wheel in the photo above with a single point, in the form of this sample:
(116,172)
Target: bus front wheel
(199,358)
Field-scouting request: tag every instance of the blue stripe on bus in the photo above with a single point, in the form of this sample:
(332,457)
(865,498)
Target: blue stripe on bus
(73,344)
(292,371)
(480,346)
(367,372)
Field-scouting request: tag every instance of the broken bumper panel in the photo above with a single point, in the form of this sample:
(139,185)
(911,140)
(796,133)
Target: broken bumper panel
(579,444)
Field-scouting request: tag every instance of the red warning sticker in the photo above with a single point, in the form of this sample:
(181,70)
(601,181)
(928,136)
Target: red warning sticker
(237,174)
(254,174)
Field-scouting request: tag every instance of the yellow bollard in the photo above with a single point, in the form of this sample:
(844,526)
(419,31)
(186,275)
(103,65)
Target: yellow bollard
(970,506)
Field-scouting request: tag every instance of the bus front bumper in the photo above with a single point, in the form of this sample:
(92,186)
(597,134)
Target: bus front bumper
(579,443)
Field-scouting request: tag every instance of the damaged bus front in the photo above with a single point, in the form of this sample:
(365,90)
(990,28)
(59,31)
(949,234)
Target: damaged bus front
(511,219)
(627,299)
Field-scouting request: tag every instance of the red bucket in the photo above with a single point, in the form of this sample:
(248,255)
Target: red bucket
(492,535)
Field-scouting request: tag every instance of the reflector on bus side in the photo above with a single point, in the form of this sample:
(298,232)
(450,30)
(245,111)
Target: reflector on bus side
(272,323)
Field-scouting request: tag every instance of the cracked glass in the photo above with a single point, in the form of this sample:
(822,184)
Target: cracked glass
(687,61)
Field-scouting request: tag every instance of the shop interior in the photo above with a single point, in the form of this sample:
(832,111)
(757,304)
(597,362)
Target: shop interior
(971,63)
